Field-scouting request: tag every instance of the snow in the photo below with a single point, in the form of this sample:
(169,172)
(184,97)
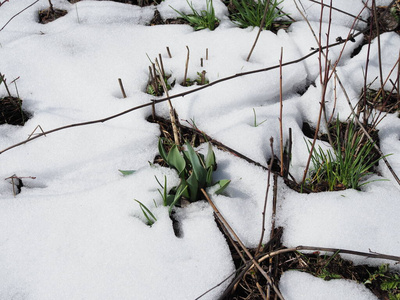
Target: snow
(298,285)
(75,232)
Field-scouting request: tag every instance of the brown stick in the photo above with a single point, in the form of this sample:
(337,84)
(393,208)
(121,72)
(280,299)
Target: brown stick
(375,16)
(18,14)
(341,11)
(266,198)
(3,80)
(51,7)
(122,87)
(171,108)
(162,66)
(312,248)
(169,53)
(186,66)
(281,111)
(260,29)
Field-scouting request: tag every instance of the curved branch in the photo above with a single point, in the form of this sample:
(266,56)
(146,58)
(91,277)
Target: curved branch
(17,14)
(156,101)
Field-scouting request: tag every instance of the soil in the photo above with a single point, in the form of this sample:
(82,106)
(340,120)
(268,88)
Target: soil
(249,284)
(157,20)
(50,14)
(11,111)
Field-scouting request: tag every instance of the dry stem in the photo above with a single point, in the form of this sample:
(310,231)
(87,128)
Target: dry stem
(171,109)
(122,87)
(260,29)
(186,66)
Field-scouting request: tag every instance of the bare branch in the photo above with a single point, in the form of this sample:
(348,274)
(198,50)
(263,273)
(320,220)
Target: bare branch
(18,14)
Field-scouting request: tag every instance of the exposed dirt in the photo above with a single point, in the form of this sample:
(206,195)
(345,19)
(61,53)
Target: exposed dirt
(250,284)
(11,111)
(50,14)
(157,20)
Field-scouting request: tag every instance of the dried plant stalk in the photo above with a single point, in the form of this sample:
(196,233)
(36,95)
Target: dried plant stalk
(122,87)
(171,108)
(186,66)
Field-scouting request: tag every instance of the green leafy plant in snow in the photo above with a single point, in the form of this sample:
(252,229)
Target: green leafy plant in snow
(150,218)
(346,164)
(195,172)
(255,123)
(194,169)
(204,19)
(388,281)
(249,13)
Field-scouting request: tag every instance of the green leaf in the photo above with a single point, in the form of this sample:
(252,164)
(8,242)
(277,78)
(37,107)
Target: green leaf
(176,160)
(223,184)
(209,177)
(151,219)
(127,172)
(181,189)
(186,192)
(193,187)
(198,169)
(210,158)
(164,195)
(169,200)
(162,151)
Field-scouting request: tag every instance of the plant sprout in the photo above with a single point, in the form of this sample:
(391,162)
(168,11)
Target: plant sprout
(204,19)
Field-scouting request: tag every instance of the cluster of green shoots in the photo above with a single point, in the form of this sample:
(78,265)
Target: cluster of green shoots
(199,80)
(200,20)
(251,13)
(244,13)
(195,172)
(346,164)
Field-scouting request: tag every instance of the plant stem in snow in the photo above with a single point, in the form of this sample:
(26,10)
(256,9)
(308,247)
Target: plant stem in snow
(186,66)
(3,80)
(280,111)
(169,53)
(18,14)
(266,197)
(51,6)
(260,29)
(171,109)
(122,87)
(375,16)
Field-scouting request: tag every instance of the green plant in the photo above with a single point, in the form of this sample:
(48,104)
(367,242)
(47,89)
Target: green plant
(255,124)
(171,199)
(249,13)
(155,88)
(204,19)
(151,219)
(127,172)
(388,281)
(346,164)
(200,80)
(194,169)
